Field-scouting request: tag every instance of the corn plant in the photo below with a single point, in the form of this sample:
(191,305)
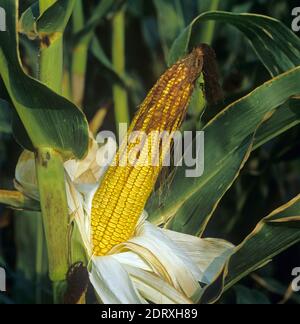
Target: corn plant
(114,233)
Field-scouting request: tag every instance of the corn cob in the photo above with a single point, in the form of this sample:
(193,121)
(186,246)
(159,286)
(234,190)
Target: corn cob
(125,189)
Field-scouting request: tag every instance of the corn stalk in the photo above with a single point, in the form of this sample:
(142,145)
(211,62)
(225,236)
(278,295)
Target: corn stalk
(47,124)
(50,172)
(118,59)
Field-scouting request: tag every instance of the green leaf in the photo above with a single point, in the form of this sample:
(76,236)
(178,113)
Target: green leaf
(273,235)
(284,119)
(170,21)
(51,22)
(49,119)
(20,133)
(125,80)
(268,36)
(100,55)
(196,199)
(190,202)
(27,24)
(55,18)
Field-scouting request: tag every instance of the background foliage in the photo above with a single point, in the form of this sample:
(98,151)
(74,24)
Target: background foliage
(269,179)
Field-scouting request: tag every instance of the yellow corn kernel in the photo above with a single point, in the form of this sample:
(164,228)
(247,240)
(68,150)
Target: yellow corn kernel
(125,189)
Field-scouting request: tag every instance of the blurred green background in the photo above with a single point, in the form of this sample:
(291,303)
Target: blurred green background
(270,178)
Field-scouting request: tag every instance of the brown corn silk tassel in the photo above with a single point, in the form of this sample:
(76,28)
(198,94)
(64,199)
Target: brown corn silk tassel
(126,187)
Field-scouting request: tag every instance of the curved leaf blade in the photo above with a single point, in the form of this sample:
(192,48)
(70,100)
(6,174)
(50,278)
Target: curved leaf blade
(49,119)
(277,46)
(55,18)
(190,202)
(193,209)
(273,235)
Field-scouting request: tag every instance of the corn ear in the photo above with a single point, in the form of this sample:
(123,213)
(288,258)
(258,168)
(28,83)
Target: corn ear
(126,187)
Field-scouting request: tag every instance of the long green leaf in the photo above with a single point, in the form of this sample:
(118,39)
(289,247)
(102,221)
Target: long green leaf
(284,119)
(196,199)
(276,45)
(191,201)
(273,235)
(49,119)
(98,51)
